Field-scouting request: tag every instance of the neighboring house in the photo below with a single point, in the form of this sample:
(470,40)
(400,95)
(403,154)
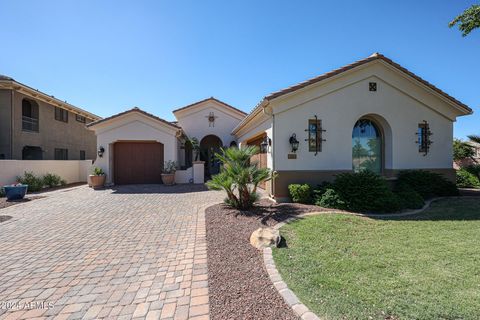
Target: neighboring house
(372,114)
(37,126)
(476,148)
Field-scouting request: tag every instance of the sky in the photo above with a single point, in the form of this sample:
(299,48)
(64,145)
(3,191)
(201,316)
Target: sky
(109,56)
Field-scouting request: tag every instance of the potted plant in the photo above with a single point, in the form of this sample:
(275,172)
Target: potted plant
(15,191)
(168,174)
(97,179)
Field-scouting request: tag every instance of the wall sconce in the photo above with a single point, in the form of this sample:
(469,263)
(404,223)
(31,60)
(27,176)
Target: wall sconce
(100,151)
(294,142)
(267,142)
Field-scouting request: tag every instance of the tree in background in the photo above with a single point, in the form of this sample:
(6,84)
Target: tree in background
(462,150)
(474,138)
(468,20)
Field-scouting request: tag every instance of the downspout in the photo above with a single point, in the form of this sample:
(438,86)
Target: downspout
(12,121)
(273,148)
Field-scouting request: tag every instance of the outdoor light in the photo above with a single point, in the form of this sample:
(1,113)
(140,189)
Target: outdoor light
(294,142)
(265,144)
(100,151)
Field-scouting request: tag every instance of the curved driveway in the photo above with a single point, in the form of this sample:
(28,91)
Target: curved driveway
(130,252)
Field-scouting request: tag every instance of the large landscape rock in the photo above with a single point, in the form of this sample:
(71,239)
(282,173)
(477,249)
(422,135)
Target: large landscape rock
(265,237)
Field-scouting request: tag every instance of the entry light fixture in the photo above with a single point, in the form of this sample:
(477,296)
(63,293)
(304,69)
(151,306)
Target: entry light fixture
(294,142)
(267,142)
(100,151)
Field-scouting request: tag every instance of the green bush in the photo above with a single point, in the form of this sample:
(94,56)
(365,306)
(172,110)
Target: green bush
(427,184)
(329,199)
(410,199)
(300,193)
(34,183)
(474,169)
(366,192)
(466,179)
(52,180)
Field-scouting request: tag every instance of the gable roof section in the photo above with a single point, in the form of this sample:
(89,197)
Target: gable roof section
(210,99)
(136,110)
(373,57)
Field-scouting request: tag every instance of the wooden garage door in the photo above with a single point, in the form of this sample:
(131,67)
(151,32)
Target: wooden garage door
(137,162)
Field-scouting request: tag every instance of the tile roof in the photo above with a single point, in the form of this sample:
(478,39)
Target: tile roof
(213,99)
(375,56)
(136,109)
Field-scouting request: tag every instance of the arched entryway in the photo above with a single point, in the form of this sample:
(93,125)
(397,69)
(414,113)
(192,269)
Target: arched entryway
(210,145)
(367,146)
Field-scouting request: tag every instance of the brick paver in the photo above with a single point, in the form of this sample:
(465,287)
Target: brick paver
(132,251)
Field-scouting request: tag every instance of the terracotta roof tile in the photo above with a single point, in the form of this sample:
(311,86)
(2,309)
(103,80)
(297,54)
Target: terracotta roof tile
(136,109)
(213,99)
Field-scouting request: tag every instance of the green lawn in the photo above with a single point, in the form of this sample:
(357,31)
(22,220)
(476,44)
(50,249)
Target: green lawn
(421,267)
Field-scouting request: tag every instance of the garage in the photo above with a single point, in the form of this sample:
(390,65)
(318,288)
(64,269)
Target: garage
(137,162)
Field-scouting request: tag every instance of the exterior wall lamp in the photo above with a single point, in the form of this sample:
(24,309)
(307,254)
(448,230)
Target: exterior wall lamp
(267,142)
(294,142)
(100,151)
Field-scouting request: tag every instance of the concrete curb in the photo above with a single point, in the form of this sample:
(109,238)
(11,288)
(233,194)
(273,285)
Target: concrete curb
(290,298)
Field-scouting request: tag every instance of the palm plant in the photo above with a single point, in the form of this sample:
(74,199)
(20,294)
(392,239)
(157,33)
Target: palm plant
(239,177)
(474,138)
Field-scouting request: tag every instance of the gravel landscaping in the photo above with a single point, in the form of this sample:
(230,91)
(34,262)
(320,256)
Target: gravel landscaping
(239,286)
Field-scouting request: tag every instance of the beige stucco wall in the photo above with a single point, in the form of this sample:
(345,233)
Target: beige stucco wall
(194,121)
(5,123)
(133,126)
(52,134)
(70,170)
(397,104)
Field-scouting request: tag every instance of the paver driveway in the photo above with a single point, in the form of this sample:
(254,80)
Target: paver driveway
(131,252)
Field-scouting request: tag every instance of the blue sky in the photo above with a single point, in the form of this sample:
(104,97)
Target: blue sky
(108,56)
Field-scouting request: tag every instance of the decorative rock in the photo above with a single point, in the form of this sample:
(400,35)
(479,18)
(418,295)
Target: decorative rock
(265,237)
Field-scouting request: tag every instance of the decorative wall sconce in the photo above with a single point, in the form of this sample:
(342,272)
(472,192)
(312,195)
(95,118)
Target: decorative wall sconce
(294,142)
(100,151)
(266,143)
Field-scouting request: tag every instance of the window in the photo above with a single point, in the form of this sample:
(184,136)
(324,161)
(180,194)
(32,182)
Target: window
(61,114)
(423,137)
(82,154)
(32,153)
(366,147)
(61,154)
(29,115)
(314,135)
(80,118)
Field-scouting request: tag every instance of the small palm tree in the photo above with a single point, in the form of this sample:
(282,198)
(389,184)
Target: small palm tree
(239,177)
(474,138)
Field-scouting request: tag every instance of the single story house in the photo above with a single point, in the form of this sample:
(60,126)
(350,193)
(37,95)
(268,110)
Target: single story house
(372,114)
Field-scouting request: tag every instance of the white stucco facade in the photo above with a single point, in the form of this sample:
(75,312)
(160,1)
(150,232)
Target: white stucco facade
(133,126)
(400,102)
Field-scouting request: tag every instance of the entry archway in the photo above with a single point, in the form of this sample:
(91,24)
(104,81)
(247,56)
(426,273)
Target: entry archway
(209,145)
(367,146)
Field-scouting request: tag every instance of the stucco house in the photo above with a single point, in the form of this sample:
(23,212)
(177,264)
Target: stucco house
(372,114)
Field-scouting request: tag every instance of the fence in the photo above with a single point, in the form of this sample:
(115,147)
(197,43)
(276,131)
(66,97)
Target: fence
(70,170)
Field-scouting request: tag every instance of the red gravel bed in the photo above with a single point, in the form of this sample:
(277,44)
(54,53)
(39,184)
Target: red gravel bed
(239,286)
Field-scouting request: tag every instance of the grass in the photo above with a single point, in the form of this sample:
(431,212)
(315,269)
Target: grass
(420,267)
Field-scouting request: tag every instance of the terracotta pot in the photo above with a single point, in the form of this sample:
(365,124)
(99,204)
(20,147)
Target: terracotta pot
(168,179)
(97,182)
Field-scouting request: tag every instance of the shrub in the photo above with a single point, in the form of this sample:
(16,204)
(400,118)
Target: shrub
(239,177)
(366,192)
(330,199)
(300,193)
(410,199)
(2,192)
(52,180)
(427,184)
(466,179)
(98,171)
(34,183)
(474,169)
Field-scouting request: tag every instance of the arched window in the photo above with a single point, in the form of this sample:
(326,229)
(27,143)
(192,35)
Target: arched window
(366,146)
